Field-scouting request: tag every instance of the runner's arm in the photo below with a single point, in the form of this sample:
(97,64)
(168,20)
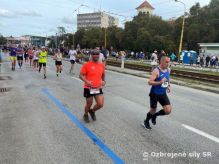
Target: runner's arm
(153,77)
(83,78)
(54,57)
(103,79)
(169,78)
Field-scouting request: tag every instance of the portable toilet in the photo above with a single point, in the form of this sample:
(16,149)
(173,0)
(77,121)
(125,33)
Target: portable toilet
(193,54)
(185,57)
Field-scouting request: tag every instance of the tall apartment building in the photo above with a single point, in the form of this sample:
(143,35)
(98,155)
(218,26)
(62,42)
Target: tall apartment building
(96,19)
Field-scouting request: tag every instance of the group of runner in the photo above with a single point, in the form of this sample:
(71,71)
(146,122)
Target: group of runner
(93,73)
(34,56)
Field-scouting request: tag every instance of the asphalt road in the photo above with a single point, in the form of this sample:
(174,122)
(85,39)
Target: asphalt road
(41,122)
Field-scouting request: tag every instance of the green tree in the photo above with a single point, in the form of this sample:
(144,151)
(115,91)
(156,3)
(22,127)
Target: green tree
(2,40)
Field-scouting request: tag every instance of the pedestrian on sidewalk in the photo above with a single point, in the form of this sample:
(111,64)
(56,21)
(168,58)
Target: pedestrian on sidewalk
(198,60)
(207,60)
(154,60)
(202,60)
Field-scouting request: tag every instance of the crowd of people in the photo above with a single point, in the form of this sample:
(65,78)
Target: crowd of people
(208,61)
(200,60)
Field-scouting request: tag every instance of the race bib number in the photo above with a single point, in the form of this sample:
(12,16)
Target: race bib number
(165,84)
(94,91)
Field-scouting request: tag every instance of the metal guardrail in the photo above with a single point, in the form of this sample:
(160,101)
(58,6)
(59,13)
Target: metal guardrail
(177,73)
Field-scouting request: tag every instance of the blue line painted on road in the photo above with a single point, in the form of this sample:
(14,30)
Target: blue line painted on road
(90,134)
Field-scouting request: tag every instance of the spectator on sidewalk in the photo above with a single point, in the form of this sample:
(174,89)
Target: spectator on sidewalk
(181,58)
(173,57)
(153,60)
(202,61)
(198,60)
(191,60)
(207,60)
(213,61)
(216,61)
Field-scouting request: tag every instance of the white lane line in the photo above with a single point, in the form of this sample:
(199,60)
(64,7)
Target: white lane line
(77,79)
(215,139)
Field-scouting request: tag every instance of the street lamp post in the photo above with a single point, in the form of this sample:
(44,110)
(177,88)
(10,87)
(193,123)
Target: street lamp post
(183,24)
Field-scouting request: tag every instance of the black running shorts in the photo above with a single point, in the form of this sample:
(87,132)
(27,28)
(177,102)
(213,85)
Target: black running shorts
(72,61)
(88,95)
(162,99)
(42,64)
(58,63)
(19,57)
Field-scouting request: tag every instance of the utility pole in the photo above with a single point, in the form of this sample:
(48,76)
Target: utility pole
(182,32)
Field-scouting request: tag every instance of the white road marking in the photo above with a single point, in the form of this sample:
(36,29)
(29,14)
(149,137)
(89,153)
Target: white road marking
(215,139)
(77,79)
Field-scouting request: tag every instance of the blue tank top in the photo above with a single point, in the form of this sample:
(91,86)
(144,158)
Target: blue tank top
(161,89)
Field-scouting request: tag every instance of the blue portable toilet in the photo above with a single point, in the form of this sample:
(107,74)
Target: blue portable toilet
(185,57)
(193,54)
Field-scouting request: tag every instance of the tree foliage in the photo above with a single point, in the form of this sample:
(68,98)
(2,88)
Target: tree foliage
(2,40)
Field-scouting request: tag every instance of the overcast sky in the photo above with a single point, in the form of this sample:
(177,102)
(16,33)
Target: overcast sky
(41,17)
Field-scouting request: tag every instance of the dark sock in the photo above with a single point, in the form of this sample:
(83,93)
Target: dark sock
(149,116)
(160,113)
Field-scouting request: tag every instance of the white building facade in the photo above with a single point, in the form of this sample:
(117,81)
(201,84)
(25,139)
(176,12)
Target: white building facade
(211,49)
(97,19)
